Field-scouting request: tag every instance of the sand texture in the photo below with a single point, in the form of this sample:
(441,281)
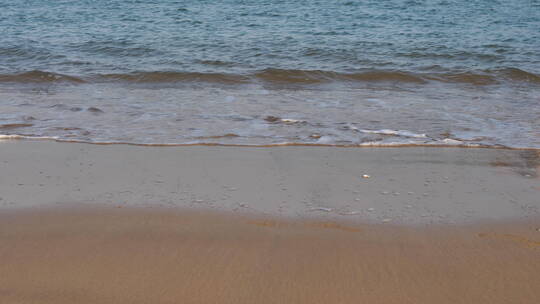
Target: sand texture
(140,256)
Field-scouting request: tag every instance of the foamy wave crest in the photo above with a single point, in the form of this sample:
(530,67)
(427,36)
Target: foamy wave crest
(403,133)
(450,141)
(18,136)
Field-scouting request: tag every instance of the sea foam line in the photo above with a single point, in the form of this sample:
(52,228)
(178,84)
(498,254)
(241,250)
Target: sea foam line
(444,143)
(403,133)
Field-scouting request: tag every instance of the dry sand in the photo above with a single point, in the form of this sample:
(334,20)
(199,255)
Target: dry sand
(119,255)
(124,224)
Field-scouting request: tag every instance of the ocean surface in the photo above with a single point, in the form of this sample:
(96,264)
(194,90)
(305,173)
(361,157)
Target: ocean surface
(263,72)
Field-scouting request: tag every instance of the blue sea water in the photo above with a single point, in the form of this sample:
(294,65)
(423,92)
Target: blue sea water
(270,71)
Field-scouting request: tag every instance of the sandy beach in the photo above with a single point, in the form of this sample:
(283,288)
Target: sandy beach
(84,223)
(270,152)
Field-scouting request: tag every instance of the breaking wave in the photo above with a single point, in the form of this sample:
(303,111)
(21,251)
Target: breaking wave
(283,76)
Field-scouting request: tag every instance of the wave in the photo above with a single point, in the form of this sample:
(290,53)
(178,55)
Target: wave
(39,77)
(15,125)
(284,77)
(519,75)
(153,77)
(316,76)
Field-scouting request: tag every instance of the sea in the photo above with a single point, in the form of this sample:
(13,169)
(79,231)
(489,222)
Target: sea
(272,72)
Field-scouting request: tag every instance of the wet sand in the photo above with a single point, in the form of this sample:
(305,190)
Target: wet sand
(409,185)
(127,224)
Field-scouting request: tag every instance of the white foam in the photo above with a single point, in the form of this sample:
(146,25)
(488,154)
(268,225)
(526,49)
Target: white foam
(455,142)
(403,133)
(291,121)
(17,136)
(449,141)
(386,144)
(325,140)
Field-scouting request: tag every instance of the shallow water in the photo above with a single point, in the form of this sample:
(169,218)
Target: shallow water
(268,72)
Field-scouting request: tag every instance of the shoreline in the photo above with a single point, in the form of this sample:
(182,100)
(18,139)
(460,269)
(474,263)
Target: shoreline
(463,145)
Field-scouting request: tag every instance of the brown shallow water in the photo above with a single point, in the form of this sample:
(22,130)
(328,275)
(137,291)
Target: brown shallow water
(119,255)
